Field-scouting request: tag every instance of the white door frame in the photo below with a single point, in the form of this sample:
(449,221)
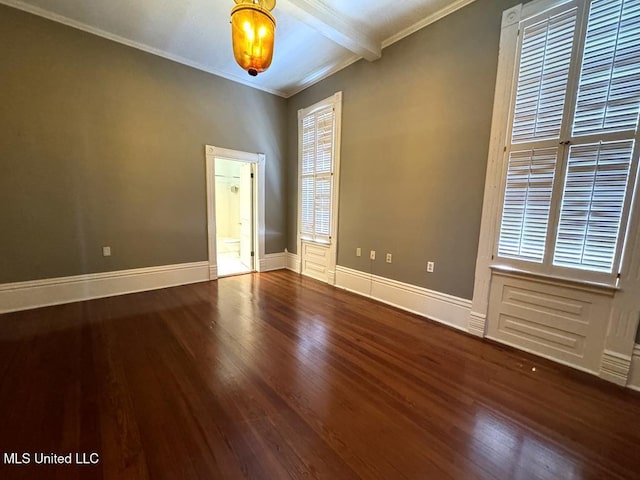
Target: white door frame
(258,159)
(330,249)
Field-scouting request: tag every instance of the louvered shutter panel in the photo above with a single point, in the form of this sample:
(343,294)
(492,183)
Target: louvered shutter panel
(545,56)
(542,78)
(592,205)
(609,91)
(597,182)
(308,169)
(527,201)
(307,192)
(317,174)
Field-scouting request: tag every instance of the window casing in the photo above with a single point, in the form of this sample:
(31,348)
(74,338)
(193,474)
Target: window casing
(571,154)
(317,166)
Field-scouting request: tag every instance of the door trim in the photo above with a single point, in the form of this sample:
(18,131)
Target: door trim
(329,277)
(211,153)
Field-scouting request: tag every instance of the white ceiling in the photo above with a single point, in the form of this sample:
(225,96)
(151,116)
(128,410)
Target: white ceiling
(314,38)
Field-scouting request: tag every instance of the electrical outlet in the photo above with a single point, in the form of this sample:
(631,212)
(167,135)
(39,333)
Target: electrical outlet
(388,258)
(358,252)
(372,255)
(430,267)
(106,251)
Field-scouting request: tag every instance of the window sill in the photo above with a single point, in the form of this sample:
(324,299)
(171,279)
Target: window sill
(596,287)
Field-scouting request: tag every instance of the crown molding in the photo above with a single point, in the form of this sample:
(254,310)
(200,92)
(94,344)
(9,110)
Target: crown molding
(432,18)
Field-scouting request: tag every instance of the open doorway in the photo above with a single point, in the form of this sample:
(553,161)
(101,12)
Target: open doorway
(234,216)
(235,211)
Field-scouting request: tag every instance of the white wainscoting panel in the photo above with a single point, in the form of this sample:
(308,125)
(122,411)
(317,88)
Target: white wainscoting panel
(634,377)
(315,260)
(443,308)
(54,291)
(272,261)
(556,321)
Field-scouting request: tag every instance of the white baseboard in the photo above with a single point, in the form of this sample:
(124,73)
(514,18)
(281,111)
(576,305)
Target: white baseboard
(272,261)
(443,308)
(54,291)
(615,367)
(634,377)
(477,324)
(293,262)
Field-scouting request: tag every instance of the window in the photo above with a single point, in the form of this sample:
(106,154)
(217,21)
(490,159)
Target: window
(317,167)
(572,145)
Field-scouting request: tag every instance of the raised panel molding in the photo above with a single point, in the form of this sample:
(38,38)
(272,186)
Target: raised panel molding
(440,307)
(316,261)
(565,324)
(55,291)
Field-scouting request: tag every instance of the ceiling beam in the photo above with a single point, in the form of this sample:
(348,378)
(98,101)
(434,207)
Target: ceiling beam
(327,22)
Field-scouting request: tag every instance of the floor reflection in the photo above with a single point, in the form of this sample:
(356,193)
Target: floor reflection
(516,452)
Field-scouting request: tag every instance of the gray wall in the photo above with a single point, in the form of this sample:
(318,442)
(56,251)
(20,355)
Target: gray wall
(415,139)
(101,144)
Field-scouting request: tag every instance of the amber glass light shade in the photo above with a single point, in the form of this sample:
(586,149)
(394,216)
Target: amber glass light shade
(252,33)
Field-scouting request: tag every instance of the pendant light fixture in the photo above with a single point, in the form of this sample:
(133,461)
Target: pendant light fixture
(252,34)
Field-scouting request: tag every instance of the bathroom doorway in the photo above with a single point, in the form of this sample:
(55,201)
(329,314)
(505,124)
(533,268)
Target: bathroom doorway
(239,214)
(234,202)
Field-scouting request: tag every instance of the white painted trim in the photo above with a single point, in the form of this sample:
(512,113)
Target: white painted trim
(434,17)
(211,153)
(292,261)
(335,101)
(477,323)
(634,377)
(495,168)
(440,307)
(55,291)
(615,367)
(272,261)
(26,7)
(321,74)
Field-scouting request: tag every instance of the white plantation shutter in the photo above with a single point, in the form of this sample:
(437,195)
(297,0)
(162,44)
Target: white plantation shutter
(598,167)
(594,194)
(526,204)
(541,87)
(542,78)
(317,174)
(569,181)
(609,92)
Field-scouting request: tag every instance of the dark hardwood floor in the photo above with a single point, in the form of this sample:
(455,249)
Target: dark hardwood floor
(275,376)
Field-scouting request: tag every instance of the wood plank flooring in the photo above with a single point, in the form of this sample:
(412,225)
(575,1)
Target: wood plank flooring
(276,376)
